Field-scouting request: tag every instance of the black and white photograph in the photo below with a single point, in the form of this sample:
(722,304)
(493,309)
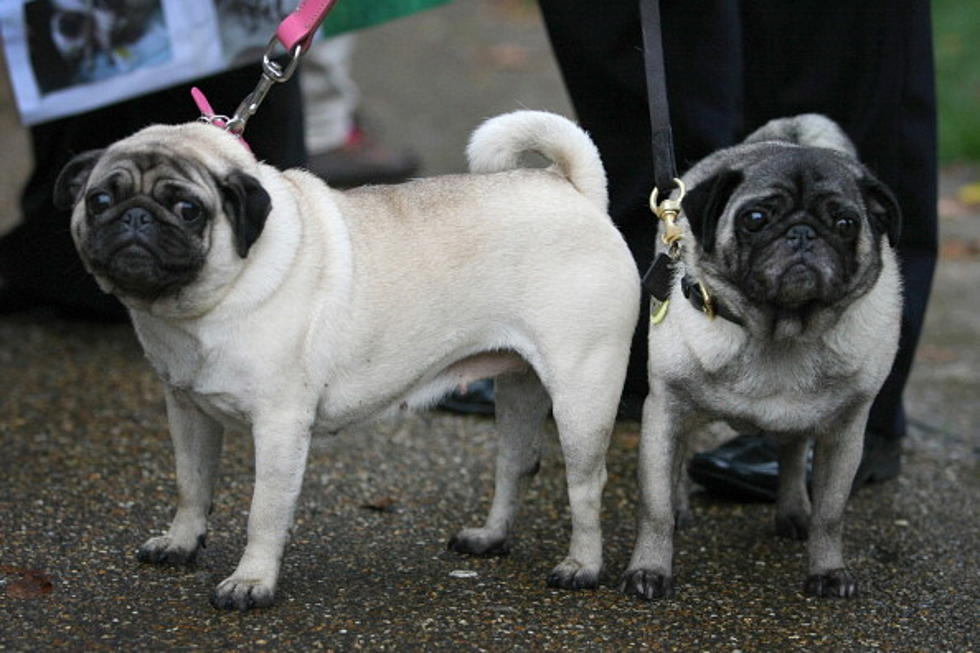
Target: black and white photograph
(246,26)
(74,42)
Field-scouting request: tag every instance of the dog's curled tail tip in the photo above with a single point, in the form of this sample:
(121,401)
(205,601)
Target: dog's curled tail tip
(497,145)
(809,129)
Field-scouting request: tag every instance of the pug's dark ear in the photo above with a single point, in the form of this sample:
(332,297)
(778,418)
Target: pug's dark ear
(73,177)
(704,204)
(247,205)
(884,213)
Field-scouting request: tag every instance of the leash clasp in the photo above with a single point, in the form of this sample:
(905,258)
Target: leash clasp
(667,210)
(272,73)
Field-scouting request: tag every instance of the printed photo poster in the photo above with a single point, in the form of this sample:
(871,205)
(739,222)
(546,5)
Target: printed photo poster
(70,56)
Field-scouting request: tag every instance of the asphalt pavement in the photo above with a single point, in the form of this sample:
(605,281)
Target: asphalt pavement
(86,468)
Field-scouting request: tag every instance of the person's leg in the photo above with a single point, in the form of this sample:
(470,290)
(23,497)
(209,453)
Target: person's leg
(340,152)
(599,50)
(869,66)
(38,262)
(330,96)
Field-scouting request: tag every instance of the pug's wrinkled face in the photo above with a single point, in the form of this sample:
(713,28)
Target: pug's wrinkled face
(796,229)
(144,217)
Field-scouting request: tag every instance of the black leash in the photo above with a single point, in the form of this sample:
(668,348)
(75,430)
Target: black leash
(659,278)
(664,168)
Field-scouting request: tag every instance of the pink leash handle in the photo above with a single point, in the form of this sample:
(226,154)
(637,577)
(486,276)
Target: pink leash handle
(299,27)
(295,33)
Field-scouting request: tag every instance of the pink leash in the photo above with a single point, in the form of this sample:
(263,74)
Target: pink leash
(295,34)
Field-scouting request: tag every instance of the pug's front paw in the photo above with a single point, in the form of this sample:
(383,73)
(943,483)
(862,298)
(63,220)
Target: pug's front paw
(573,575)
(646,584)
(234,593)
(166,550)
(835,583)
(479,542)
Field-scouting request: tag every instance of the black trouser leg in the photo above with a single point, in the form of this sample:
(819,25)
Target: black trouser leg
(869,66)
(599,49)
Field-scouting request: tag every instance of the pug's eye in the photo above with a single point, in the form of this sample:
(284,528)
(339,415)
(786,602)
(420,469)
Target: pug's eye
(98,202)
(187,211)
(846,226)
(753,220)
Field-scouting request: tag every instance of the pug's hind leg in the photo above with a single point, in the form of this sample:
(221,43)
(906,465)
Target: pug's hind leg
(585,407)
(197,448)
(792,500)
(522,405)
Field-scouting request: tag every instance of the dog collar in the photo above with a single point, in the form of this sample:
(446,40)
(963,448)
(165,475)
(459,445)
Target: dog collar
(659,280)
(208,115)
(697,293)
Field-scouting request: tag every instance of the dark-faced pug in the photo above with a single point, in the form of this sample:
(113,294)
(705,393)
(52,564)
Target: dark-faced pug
(268,302)
(783,317)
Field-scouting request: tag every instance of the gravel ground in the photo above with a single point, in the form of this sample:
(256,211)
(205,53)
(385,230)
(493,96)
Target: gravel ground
(87,472)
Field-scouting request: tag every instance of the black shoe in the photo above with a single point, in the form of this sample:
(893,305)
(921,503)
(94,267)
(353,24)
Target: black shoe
(881,461)
(746,468)
(13,301)
(478,399)
(742,469)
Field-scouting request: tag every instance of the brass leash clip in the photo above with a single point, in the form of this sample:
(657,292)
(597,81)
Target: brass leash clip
(668,210)
(661,272)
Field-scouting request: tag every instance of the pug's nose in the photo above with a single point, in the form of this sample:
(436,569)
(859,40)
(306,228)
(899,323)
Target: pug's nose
(800,237)
(136,218)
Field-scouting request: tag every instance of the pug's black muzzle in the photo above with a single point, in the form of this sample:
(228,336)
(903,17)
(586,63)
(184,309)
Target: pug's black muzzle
(798,268)
(142,252)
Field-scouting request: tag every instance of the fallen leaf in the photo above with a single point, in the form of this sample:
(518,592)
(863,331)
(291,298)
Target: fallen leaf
(957,249)
(969,194)
(629,439)
(30,585)
(509,55)
(934,354)
(950,208)
(381,505)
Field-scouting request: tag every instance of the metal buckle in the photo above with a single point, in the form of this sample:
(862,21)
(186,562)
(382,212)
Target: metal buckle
(708,304)
(272,73)
(668,210)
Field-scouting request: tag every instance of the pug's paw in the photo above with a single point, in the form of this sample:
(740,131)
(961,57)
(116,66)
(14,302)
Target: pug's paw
(835,583)
(234,593)
(479,542)
(646,584)
(570,574)
(794,526)
(166,550)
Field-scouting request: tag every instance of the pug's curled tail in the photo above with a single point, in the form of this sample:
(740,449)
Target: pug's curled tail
(808,129)
(498,144)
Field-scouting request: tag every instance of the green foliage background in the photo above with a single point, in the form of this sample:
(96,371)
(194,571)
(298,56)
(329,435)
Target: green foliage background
(956,29)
